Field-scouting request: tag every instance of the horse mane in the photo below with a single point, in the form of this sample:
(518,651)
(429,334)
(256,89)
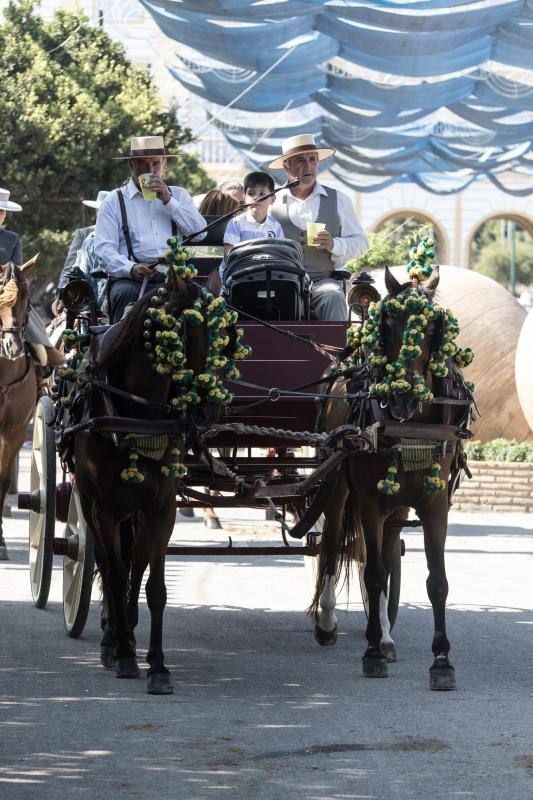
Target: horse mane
(132,326)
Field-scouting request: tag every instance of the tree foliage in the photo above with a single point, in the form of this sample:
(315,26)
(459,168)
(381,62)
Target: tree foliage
(65,113)
(390,246)
(491,252)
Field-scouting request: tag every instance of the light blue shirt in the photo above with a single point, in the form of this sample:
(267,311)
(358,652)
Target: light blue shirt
(149,223)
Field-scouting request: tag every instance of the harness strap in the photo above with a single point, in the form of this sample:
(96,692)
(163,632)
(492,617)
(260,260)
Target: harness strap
(106,387)
(274,393)
(5,388)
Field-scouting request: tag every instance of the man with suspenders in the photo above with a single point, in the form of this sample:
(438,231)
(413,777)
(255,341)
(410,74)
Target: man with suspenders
(340,241)
(131,232)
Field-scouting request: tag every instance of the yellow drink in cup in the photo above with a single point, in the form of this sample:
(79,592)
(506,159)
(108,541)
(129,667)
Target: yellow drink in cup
(144,181)
(312,229)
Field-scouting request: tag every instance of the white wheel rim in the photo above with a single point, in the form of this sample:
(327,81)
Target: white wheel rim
(38,482)
(73,570)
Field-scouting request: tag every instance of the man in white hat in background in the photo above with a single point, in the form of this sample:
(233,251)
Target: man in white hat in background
(342,238)
(35,334)
(132,232)
(81,255)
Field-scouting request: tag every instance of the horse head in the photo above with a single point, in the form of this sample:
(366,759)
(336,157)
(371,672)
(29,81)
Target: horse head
(393,335)
(14,299)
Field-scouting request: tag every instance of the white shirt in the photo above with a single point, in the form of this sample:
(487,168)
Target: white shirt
(352,241)
(149,223)
(244,227)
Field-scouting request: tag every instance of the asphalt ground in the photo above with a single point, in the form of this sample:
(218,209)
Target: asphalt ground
(259,709)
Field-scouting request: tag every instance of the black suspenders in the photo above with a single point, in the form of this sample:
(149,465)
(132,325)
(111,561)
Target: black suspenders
(125,227)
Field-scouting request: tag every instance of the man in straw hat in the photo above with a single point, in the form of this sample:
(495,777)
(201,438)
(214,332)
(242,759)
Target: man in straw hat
(11,251)
(299,209)
(135,221)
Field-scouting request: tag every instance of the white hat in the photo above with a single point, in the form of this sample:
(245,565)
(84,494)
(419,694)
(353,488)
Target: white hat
(6,203)
(296,145)
(96,203)
(145,146)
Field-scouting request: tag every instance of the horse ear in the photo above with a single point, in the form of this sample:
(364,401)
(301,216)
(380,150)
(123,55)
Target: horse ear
(393,286)
(29,265)
(430,286)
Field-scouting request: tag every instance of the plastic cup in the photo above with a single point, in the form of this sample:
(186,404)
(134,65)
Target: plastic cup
(312,229)
(144,181)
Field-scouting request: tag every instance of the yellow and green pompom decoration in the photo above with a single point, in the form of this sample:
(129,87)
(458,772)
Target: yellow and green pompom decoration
(132,474)
(433,482)
(389,485)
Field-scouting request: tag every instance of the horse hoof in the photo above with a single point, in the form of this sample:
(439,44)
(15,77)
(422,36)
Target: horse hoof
(212,522)
(186,511)
(375,667)
(388,649)
(127,668)
(107,656)
(159,683)
(326,638)
(3,553)
(442,679)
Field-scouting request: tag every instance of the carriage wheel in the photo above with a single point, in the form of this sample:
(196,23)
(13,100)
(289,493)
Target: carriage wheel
(42,503)
(394,582)
(78,570)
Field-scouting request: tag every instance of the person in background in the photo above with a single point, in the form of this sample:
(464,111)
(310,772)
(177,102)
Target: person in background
(132,232)
(234,188)
(84,259)
(342,238)
(11,251)
(216,203)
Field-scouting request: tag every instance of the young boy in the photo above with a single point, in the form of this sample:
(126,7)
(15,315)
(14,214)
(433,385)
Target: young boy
(255,222)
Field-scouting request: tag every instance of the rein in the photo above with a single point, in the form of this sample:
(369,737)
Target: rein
(5,388)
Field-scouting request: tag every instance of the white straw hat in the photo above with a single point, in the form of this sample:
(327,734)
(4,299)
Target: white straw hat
(6,203)
(297,145)
(96,203)
(146,146)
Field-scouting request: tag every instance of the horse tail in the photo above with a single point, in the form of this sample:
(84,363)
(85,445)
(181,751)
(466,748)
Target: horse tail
(338,554)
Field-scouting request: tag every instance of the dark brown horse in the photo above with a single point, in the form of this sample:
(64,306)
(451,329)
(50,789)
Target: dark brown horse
(108,501)
(17,375)
(358,508)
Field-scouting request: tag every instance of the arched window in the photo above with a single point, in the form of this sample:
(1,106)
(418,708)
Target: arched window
(501,247)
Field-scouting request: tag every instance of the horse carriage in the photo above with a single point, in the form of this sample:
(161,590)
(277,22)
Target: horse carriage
(111,411)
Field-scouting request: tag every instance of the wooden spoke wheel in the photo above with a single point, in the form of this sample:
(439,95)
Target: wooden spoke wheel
(41,502)
(78,568)
(394,581)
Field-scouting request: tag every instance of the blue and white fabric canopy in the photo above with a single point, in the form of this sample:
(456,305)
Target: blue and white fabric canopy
(433,92)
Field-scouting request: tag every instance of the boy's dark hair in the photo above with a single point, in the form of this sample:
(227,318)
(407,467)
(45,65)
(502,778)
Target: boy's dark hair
(254,179)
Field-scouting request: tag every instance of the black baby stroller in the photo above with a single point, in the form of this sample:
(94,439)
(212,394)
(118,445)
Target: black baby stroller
(267,278)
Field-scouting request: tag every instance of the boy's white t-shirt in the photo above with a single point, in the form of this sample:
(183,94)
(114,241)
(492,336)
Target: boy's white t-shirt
(244,228)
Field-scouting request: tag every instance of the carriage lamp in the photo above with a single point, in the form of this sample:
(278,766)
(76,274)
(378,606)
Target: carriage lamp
(77,294)
(362,293)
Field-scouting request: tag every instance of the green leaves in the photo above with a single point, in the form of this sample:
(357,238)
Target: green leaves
(65,113)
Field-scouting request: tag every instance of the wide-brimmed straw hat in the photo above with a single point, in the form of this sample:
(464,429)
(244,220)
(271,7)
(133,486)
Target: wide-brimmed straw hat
(297,146)
(96,203)
(146,146)
(6,203)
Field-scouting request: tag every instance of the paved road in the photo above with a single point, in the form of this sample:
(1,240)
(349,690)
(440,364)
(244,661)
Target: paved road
(259,710)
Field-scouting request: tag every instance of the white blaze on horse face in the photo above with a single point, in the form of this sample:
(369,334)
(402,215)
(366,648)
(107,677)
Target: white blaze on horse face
(384,620)
(327,620)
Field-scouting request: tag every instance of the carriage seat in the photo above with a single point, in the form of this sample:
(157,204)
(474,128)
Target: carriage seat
(102,336)
(267,278)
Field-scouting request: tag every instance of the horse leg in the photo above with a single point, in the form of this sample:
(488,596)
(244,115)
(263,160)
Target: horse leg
(374,662)
(159,681)
(434,518)
(326,619)
(115,581)
(8,451)
(390,535)
(139,559)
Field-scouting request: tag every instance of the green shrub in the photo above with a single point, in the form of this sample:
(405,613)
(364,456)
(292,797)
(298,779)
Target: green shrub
(500,450)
